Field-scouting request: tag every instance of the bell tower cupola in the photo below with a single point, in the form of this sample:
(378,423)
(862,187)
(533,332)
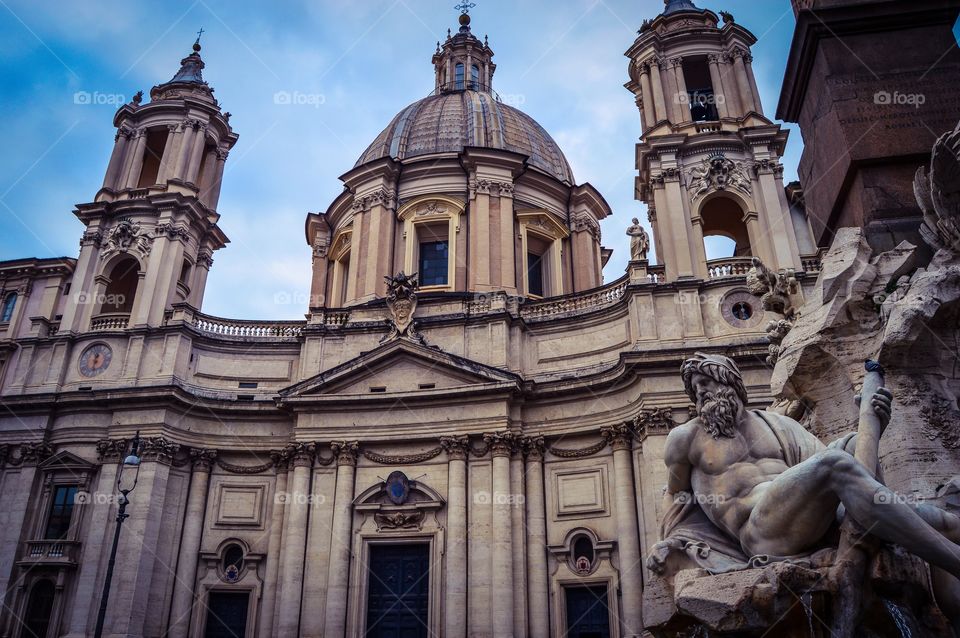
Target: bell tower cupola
(152,228)
(463,62)
(709,160)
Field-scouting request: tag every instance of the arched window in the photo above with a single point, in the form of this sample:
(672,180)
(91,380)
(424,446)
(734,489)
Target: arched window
(475,77)
(232,563)
(36,621)
(583,554)
(724,231)
(9,303)
(118,297)
(459,76)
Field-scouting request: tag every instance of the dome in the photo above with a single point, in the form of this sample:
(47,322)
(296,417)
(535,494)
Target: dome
(450,121)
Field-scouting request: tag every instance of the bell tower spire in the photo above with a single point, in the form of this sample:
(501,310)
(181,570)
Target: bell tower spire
(463,62)
(709,160)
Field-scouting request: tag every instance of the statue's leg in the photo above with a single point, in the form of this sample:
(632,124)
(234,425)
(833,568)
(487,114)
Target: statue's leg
(794,511)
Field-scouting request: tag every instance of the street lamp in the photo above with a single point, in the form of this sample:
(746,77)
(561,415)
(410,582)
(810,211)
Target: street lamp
(127,474)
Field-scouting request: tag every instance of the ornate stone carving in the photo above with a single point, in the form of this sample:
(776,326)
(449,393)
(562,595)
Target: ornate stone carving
(659,179)
(937,190)
(653,421)
(205,258)
(456,447)
(127,236)
(619,436)
(35,452)
(203,458)
(775,290)
(157,448)
(533,447)
(398,520)
(111,449)
(500,443)
(718,173)
(763,166)
(380,197)
(403,459)
(301,453)
(577,453)
(401,304)
(94,237)
(253,469)
(345,452)
(172,232)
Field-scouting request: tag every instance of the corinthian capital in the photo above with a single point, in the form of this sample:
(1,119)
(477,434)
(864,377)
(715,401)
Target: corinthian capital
(619,436)
(346,452)
(456,447)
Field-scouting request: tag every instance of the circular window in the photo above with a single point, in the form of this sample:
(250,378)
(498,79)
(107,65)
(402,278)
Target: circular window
(232,563)
(741,309)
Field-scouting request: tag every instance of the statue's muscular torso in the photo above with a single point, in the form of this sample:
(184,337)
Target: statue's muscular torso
(727,475)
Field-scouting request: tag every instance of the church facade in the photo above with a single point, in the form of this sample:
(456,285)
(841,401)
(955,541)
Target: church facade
(474,451)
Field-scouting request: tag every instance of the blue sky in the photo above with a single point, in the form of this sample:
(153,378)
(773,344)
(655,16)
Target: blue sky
(358,62)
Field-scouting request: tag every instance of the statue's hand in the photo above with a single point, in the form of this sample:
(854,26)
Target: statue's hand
(657,560)
(882,404)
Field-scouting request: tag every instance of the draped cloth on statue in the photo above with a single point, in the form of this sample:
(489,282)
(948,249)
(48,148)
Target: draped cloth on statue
(711,548)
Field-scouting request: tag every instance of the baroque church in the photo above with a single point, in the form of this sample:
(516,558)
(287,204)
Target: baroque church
(463,437)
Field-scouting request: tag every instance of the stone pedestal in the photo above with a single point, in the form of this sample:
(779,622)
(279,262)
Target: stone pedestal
(872,84)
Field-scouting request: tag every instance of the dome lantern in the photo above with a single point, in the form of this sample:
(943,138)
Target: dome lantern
(463,62)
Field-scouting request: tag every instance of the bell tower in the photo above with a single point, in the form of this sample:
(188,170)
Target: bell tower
(709,159)
(151,230)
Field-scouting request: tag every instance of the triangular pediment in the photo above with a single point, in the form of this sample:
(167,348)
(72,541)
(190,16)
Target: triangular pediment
(403,367)
(66,461)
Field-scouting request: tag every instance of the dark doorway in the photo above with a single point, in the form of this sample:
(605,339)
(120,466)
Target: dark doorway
(39,606)
(587,613)
(398,591)
(227,614)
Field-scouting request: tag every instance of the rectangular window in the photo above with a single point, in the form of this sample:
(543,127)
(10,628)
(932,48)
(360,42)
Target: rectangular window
(459,76)
(156,141)
(701,97)
(344,278)
(434,259)
(61,511)
(535,274)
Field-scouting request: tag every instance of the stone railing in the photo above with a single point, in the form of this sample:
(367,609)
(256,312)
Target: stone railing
(709,127)
(51,551)
(246,329)
(586,301)
(113,321)
(657,274)
(811,263)
(729,267)
(334,317)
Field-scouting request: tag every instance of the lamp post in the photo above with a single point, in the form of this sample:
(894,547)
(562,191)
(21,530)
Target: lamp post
(127,475)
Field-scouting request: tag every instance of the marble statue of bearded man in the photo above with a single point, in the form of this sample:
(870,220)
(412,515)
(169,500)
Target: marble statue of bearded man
(746,487)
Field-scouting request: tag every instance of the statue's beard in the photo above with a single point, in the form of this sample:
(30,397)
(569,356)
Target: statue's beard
(719,411)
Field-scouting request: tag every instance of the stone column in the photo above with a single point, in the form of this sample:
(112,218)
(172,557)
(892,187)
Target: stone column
(196,155)
(518,538)
(657,81)
(731,91)
(271,580)
(501,445)
(96,544)
(455,590)
(743,82)
(700,268)
(169,153)
(628,539)
(480,239)
(538,583)
(650,115)
(338,581)
(183,591)
(294,539)
(213,196)
(718,94)
(183,151)
(116,159)
(748,67)
(136,159)
(682,98)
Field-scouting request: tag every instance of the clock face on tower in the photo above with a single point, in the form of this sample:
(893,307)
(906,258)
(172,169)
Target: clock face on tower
(95,360)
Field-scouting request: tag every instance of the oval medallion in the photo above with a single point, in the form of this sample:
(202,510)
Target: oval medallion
(398,488)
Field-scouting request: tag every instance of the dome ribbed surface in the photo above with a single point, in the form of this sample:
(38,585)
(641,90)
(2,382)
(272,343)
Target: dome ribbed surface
(449,122)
